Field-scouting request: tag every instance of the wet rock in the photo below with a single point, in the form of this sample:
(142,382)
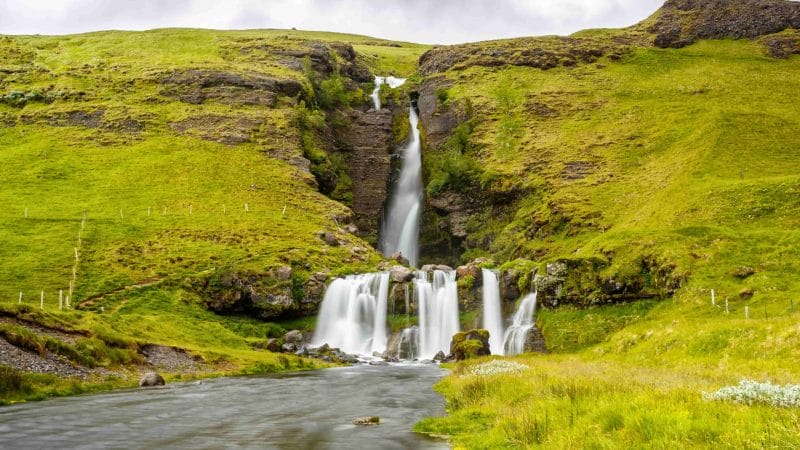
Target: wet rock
(509,287)
(378,363)
(302,351)
(440,356)
(366,421)
(470,344)
(288,348)
(398,256)
(534,341)
(151,379)
(400,274)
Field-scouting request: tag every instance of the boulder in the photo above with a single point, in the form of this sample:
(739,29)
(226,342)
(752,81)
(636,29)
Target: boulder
(440,356)
(534,341)
(270,344)
(400,274)
(293,337)
(398,256)
(330,239)
(470,344)
(151,379)
(365,421)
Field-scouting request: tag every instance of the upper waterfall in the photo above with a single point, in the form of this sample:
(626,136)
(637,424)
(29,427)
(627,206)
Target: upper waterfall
(390,81)
(400,228)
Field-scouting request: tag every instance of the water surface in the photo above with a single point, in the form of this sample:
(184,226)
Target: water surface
(309,410)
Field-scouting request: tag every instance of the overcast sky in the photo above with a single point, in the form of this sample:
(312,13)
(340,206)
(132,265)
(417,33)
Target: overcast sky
(425,21)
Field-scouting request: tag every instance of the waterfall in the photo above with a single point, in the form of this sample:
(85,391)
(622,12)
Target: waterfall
(492,316)
(408,343)
(353,314)
(437,303)
(392,82)
(400,228)
(523,321)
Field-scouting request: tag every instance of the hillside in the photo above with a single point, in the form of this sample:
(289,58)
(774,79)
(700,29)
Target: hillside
(159,176)
(199,189)
(648,165)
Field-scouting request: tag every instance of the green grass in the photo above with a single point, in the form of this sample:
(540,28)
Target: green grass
(162,207)
(692,160)
(563,402)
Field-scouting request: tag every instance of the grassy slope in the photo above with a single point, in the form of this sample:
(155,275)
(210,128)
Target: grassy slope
(696,162)
(125,181)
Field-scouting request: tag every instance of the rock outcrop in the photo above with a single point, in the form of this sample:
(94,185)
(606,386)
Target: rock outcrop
(367,144)
(197,86)
(682,22)
(469,344)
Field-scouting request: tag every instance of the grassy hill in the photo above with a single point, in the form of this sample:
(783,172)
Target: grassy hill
(136,163)
(672,168)
(670,172)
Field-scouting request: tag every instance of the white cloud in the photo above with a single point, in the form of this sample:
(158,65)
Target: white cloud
(439,21)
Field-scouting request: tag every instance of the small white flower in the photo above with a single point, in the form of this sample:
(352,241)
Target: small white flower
(751,392)
(498,366)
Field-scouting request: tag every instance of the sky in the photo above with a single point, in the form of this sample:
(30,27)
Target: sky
(423,21)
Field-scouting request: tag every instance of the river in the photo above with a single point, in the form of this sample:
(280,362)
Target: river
(306,410)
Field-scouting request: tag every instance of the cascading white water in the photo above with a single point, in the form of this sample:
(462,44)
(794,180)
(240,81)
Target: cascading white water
(408,343)
(353,314)
(437,303)
(392,82)
(492,315)
(400,229)
(523,320)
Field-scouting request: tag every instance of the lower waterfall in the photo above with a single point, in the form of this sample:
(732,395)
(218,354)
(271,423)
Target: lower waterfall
(522,322)
(353,314)
(492,313)
(438,311)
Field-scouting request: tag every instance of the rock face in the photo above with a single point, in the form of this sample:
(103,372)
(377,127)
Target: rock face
(367,145)
(682,22)
(151,379)
(469,344)
(268,295)
(197,86)
(534,341)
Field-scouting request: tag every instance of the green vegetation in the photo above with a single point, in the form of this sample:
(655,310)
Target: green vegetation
(563,402)
(126,179)
(670,167)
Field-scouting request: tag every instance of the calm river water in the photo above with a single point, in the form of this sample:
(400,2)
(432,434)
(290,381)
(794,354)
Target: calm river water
(309,410)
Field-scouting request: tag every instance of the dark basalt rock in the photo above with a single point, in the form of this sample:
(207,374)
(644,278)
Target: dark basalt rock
(534,341)
(197,86)
(682,22)
(367,145)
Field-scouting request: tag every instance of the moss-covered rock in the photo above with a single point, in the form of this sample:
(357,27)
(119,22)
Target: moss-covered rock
(469,344)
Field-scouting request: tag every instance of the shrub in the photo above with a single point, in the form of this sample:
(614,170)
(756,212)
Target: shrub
(10,380)
(442,95)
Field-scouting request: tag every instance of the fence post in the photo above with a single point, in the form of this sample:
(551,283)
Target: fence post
(746,312)
(61,299)
(713,299)
(727,311)
(20,297)
(41,301)
(26,213)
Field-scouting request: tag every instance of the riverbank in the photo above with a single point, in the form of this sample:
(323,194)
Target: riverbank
(580,401)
